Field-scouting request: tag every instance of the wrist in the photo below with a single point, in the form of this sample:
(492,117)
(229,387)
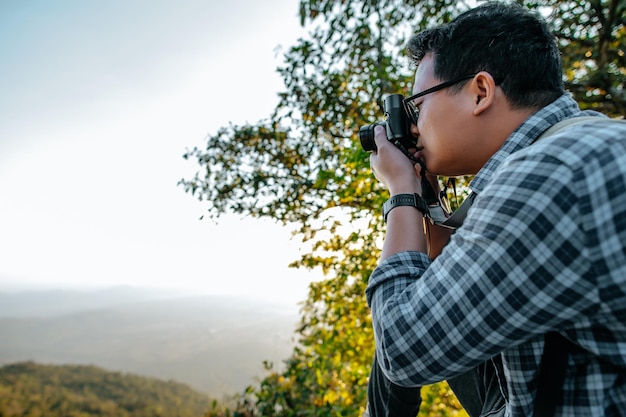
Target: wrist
(403,182)
(405,199)
(413,188)
(404,190)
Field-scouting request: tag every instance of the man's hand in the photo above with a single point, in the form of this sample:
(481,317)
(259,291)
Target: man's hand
(392,167)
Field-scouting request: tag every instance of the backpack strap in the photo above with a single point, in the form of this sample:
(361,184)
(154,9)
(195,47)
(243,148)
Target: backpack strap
(556,351)
(555,128)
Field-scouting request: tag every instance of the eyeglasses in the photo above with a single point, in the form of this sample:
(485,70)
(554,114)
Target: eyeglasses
(411,109)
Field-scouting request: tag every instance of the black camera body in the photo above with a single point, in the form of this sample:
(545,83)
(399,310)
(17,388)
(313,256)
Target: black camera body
(396,124)
(398,129)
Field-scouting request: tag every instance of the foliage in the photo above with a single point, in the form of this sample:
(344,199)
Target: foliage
(592,38)
(34,390)
(304,166)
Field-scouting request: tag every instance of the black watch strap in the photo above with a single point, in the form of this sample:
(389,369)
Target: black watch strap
(413,200)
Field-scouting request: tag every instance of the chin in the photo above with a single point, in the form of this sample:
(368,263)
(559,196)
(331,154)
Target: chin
(434,168)
(445,169)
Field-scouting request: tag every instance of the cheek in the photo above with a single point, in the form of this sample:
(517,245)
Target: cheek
(449,137)
(441,151)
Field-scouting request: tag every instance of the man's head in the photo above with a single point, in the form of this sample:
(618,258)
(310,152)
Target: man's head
(477,79)
(511,43)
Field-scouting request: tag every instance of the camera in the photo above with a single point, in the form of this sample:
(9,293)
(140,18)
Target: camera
(398,129)
(396,124)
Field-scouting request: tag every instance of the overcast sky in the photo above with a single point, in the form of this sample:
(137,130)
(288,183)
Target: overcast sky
(98,102)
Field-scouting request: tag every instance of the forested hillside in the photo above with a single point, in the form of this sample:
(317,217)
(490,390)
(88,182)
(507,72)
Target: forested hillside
(28,389)
(214,343)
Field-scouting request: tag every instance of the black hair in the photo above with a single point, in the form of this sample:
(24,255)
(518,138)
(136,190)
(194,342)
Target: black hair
(510,42)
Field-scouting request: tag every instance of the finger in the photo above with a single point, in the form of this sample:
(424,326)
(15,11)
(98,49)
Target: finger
(380,136)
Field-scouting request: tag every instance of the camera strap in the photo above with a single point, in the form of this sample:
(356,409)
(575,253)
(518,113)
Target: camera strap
(438,213)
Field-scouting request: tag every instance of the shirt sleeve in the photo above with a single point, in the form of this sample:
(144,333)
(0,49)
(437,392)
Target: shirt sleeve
(517,268)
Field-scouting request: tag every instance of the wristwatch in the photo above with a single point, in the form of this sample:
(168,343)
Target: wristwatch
(414,200)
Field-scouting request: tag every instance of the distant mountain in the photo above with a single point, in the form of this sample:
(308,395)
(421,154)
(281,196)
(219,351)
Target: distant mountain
(60,391)
(216,344)
(57,302)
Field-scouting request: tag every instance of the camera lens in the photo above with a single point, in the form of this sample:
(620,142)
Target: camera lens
(366,136)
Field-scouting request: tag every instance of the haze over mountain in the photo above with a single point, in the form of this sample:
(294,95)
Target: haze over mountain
(216,344)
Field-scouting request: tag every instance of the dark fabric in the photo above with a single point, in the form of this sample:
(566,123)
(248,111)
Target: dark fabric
(478,391)
(387,399)
(552,374)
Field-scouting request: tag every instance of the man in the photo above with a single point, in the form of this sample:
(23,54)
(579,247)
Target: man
(541,251)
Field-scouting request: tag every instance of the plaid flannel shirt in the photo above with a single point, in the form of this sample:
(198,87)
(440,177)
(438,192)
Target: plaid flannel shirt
(543,248)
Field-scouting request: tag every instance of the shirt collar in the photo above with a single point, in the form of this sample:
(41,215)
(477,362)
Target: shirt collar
(562,108)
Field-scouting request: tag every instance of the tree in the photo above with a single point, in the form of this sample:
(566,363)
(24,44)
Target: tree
(591,37)
(30,389)
(305,166)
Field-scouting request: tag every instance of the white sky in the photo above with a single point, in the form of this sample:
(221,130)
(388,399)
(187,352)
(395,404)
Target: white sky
(98,102)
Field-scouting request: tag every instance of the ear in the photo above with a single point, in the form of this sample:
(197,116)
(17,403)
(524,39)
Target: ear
(484,92)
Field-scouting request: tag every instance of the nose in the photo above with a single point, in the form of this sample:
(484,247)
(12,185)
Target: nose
(414,131)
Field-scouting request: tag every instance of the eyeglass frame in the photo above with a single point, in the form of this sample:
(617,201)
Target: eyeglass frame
(411,109)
